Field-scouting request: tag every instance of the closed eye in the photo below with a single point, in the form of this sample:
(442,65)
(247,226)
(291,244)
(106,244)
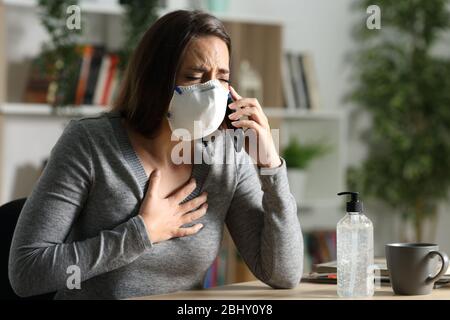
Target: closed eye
(192,78)
(199,78)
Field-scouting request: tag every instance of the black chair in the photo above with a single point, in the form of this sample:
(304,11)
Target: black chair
(9,214)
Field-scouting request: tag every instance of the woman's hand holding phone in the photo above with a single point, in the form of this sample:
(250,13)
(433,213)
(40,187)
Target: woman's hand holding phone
(266,154)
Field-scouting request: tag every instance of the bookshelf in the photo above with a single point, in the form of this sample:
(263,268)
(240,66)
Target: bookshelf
(35,109)
(284,113)
(21,157)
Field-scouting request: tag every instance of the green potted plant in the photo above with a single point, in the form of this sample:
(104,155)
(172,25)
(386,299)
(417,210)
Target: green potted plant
(298,157)
(59,57)
(404,86)
(139,16)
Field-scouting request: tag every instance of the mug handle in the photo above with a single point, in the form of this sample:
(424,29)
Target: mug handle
(444,267)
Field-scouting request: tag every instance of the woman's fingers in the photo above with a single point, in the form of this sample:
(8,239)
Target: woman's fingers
(246,124)
(245,102)
(153,186)
(194,215)
(183,232)
(193,204)
(186,190)
(248,107)
(234,94)
(253,113)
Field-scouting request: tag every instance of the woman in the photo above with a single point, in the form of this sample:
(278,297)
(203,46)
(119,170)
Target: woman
(115,209)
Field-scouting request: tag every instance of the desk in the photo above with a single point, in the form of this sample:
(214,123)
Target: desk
(256,290)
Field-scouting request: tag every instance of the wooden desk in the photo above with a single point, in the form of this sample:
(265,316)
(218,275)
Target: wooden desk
(256,290)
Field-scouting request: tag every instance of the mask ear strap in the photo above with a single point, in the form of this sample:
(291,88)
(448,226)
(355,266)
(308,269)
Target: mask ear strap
(178,90)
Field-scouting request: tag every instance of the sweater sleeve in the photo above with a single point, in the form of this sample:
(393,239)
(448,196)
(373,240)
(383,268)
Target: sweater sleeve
(40,257)
(263,224)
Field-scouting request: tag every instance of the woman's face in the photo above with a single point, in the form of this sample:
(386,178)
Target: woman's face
(206,58)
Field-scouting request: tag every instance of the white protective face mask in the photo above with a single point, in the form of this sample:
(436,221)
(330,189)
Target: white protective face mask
(196,111)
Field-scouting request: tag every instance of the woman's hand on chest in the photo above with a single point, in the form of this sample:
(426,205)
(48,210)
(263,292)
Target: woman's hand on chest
(165,216)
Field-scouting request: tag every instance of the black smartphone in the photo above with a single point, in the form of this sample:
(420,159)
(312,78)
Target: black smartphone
(228,112)
(239,133)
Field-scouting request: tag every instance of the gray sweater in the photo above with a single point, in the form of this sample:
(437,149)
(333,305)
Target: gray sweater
(83,212)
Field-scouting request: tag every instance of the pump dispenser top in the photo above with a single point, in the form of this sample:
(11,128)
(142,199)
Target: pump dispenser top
(354,205)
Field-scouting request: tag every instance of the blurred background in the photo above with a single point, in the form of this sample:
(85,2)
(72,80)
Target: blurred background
(360,93)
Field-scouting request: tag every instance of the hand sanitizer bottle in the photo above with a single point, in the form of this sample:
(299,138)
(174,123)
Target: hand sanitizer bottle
(355,273)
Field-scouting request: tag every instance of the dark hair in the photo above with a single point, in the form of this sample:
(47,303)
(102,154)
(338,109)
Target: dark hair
(149,81)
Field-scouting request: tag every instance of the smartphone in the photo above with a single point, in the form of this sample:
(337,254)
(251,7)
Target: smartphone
(228,112)
(239,133)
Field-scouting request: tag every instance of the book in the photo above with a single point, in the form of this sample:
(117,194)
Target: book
(94,69)
(217,272)
(288,91)
(36,88)
(311,81)
(92,78)
(324,247)
(299,79)
(84,74)
(113,66)
(321,245)
(305,84)
(222,266)
(331,278)
(331,267)
(297,82)
(114,88)
(101,81)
